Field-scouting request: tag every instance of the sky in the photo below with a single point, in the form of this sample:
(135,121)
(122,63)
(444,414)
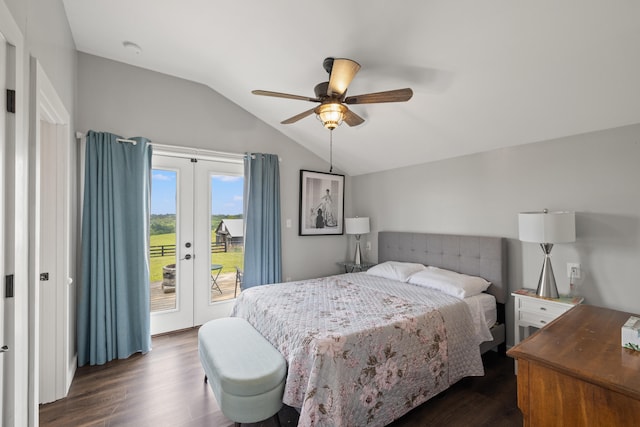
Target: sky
(226,193)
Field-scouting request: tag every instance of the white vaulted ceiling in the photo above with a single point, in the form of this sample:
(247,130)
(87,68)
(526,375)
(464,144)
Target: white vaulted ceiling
(485,74)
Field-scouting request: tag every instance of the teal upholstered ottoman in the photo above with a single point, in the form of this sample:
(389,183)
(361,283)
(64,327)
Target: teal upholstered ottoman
(245,372)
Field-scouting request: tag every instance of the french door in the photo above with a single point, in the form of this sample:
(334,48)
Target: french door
(193,258)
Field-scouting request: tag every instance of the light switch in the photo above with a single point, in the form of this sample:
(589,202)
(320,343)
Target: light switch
(288,222)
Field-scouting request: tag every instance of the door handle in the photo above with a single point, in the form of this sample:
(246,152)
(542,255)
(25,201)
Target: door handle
(4,349)
(187,256)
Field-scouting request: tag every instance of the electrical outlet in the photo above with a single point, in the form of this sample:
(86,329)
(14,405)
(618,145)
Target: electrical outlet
(575,268)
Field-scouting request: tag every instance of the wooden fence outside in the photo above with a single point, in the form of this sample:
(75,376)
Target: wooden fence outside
(165,250)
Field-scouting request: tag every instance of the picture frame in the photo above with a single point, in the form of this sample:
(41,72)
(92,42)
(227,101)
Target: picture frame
(321,203)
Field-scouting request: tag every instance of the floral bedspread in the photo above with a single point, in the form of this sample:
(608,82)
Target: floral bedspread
(359,353)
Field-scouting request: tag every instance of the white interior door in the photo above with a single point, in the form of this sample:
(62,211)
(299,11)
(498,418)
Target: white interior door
(56,361)
(191,281)
(53,359)
(49,276)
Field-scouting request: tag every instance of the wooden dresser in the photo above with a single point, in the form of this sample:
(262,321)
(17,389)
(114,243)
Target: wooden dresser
(575,372)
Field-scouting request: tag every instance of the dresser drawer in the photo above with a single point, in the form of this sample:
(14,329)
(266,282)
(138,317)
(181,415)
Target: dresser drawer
(541,307)
(535,319)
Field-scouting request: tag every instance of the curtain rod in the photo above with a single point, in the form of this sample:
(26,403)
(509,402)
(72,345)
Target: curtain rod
(188,152)
(127,140)
(253,156)
(80,135)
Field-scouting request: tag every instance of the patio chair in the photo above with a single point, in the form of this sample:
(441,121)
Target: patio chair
(239,274)
(215,273)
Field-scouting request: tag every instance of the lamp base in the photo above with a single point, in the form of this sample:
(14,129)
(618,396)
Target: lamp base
(547,283)
(357,259)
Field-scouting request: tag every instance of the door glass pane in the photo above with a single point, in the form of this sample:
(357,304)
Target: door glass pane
(227,236)
(162,245)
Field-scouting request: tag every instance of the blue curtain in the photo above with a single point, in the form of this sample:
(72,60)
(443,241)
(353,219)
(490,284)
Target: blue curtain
(113,301)
(262,242)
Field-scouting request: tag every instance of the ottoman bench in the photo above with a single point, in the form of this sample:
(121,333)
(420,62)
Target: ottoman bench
(245,372)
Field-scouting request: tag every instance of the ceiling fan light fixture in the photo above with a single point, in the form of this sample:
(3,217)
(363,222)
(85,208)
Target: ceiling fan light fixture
(331,114)
(333,99)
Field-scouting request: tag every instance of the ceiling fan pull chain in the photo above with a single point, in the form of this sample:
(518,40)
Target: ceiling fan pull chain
(330,150)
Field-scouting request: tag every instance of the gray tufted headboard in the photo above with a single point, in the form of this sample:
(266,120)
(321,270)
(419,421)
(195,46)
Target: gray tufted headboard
(473,255)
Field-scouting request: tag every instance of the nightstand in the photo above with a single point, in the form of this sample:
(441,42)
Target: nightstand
(534,311)
(352,267)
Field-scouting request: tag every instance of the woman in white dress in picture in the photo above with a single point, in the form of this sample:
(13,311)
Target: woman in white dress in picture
(328,213)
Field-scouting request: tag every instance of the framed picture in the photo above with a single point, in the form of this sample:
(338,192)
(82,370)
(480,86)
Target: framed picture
(321,203)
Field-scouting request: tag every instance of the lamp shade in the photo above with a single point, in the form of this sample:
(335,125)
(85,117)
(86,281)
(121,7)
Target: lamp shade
(547,227)
(357,225)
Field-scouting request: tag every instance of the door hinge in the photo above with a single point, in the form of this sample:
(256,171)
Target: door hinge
(8,286)
(11,101)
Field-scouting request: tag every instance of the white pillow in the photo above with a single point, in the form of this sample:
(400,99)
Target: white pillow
(452,283)
(395,270)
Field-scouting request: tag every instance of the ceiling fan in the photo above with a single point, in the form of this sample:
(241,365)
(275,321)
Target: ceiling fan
(332,98)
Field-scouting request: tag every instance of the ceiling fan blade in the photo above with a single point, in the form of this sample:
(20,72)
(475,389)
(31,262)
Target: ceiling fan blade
(352,119)
(297,117)
(342,73)
(284,95)
(398,95)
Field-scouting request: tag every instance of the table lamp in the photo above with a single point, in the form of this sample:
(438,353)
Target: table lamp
(357,226)
(547,228)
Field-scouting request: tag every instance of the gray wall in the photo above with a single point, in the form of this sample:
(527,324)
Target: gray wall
(596,175)
(130,101)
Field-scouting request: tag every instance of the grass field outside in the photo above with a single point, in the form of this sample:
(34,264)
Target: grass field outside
(229,260)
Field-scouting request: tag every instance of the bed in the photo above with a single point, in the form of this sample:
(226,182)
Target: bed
(363,349)
(483,256)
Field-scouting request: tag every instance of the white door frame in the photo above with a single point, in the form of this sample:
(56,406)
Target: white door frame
(48,107)
(197,193)
(3,204)
(17,411)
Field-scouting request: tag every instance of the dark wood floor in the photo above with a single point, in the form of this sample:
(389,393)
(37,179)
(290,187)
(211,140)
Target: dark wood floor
(166,388)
